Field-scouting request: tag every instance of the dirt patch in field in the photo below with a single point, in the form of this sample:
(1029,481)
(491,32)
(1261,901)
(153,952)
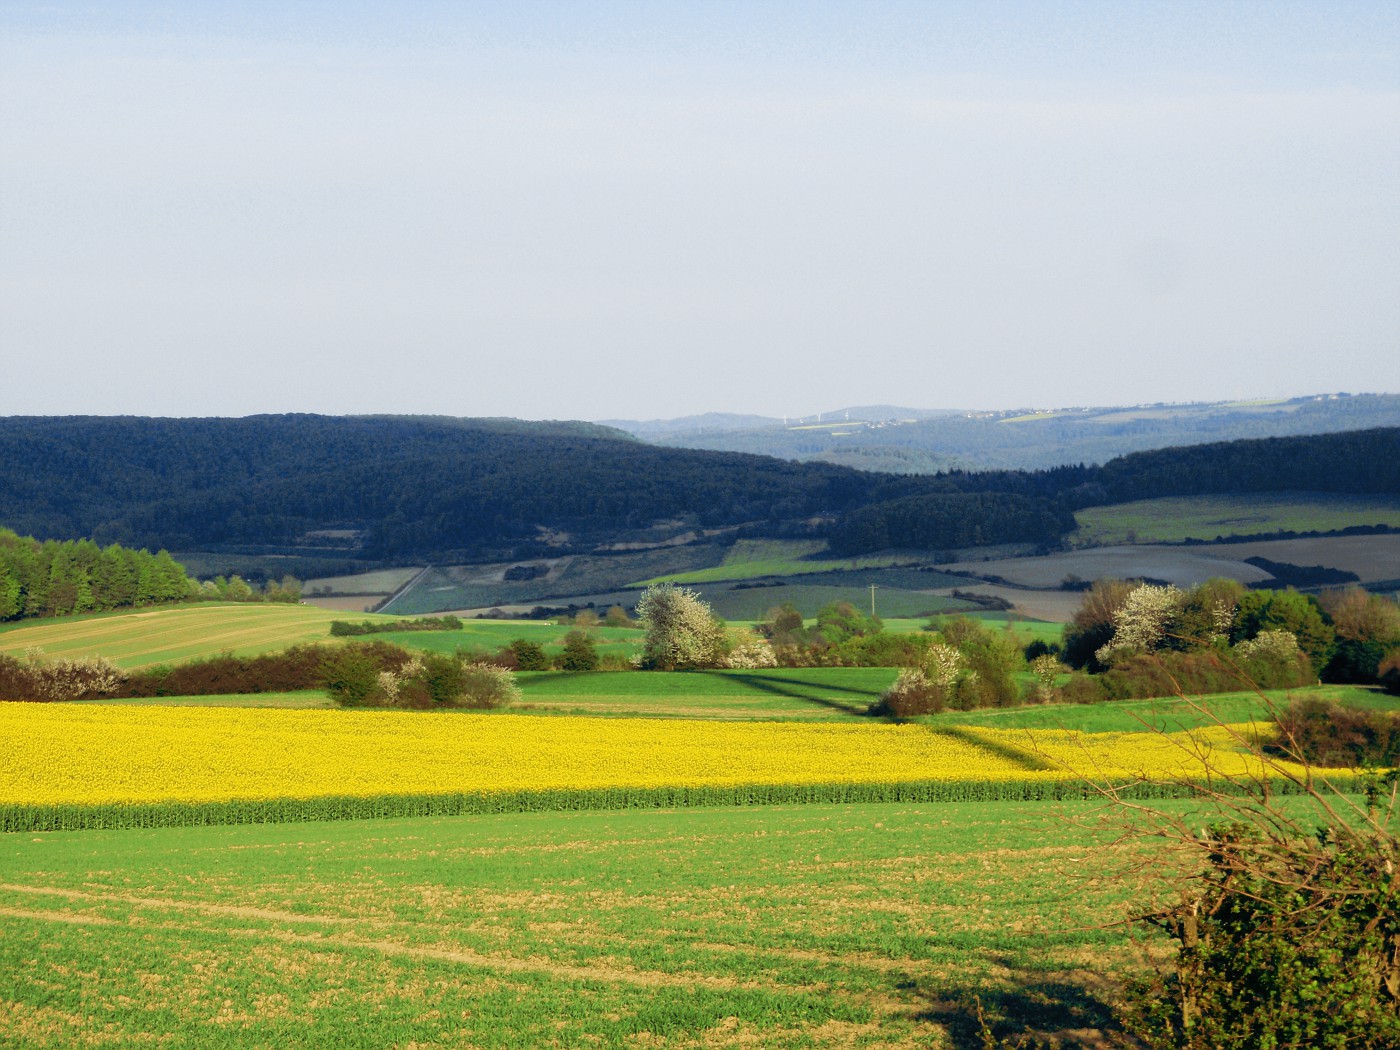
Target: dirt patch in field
(1183,566)
(1052,606)
(732,1032)
(345,603)
(1370,557)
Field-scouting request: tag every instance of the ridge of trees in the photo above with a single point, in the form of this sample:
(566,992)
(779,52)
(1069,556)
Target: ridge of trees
(397,487)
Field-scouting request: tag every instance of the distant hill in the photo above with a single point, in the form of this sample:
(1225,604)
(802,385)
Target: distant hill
(923,441)
(389,487)
(681,430)
(386,488)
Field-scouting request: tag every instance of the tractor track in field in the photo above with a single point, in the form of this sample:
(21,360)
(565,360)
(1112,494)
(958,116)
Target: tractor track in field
(598,973)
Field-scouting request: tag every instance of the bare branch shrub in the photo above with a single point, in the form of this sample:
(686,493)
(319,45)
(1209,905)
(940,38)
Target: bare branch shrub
(1277,890)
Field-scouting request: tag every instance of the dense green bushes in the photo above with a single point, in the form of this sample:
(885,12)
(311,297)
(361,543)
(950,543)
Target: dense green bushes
(1142,675)
(962,667)
(378,675)
(354,674)
(1326,734)
(344,628)
(1143,640)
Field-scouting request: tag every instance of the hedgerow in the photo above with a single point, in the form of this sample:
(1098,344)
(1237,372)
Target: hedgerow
(76,817)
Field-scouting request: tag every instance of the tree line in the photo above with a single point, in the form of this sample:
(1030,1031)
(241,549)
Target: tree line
(55,578)
(61,577)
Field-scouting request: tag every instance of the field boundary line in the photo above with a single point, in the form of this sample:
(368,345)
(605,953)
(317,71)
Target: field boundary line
(404,589)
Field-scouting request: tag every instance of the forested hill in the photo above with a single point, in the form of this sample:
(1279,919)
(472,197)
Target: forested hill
(398,485)
(1355,462)
(425,487)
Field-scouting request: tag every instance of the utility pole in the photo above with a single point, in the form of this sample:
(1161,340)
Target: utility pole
(872,600)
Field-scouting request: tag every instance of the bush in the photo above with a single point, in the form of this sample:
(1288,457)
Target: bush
(1081,689)
(297,668)
(580,653)
(1166,673)
(86,678)
(350,673)
(342,628)
(487,687)
(1326,734)
(1286,941)
(748,650)
(912,694)
(1388,673)
(526,655)
(1284,911)
(442,678)
(881,649)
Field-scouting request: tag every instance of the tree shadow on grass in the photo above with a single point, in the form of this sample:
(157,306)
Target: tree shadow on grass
(1041,1010)
(797,689)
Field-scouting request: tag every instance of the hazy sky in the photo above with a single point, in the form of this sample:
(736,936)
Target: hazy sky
(591,210)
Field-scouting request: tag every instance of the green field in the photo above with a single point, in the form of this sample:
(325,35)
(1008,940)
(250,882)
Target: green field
(753,603)
(1166,713)
(495,634)
(813,693)
(844,694)
(750,559)
(812,926)
(1206,517)
(175,634)
(823,694)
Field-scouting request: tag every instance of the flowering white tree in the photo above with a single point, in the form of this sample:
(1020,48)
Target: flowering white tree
(1141,622)
(681,631)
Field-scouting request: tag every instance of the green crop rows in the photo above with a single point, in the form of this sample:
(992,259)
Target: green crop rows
(855,925)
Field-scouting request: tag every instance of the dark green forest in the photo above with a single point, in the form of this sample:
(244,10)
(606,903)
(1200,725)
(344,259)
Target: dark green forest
(386,488)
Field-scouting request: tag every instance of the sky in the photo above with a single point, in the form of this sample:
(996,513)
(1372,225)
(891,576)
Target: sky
(645,210)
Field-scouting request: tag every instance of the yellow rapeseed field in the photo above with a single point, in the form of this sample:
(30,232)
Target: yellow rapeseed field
(58,754)
(1222,749)
(67,754)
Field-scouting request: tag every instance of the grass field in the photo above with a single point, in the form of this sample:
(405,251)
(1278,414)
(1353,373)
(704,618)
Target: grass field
(1206,517)
(495,634)
(813,926)
(180,633)
(749,559)
(830,694)
(176,633)
(753,603)
(814,693)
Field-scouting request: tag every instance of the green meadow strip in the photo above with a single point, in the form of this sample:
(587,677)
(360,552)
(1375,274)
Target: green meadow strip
(78,817)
